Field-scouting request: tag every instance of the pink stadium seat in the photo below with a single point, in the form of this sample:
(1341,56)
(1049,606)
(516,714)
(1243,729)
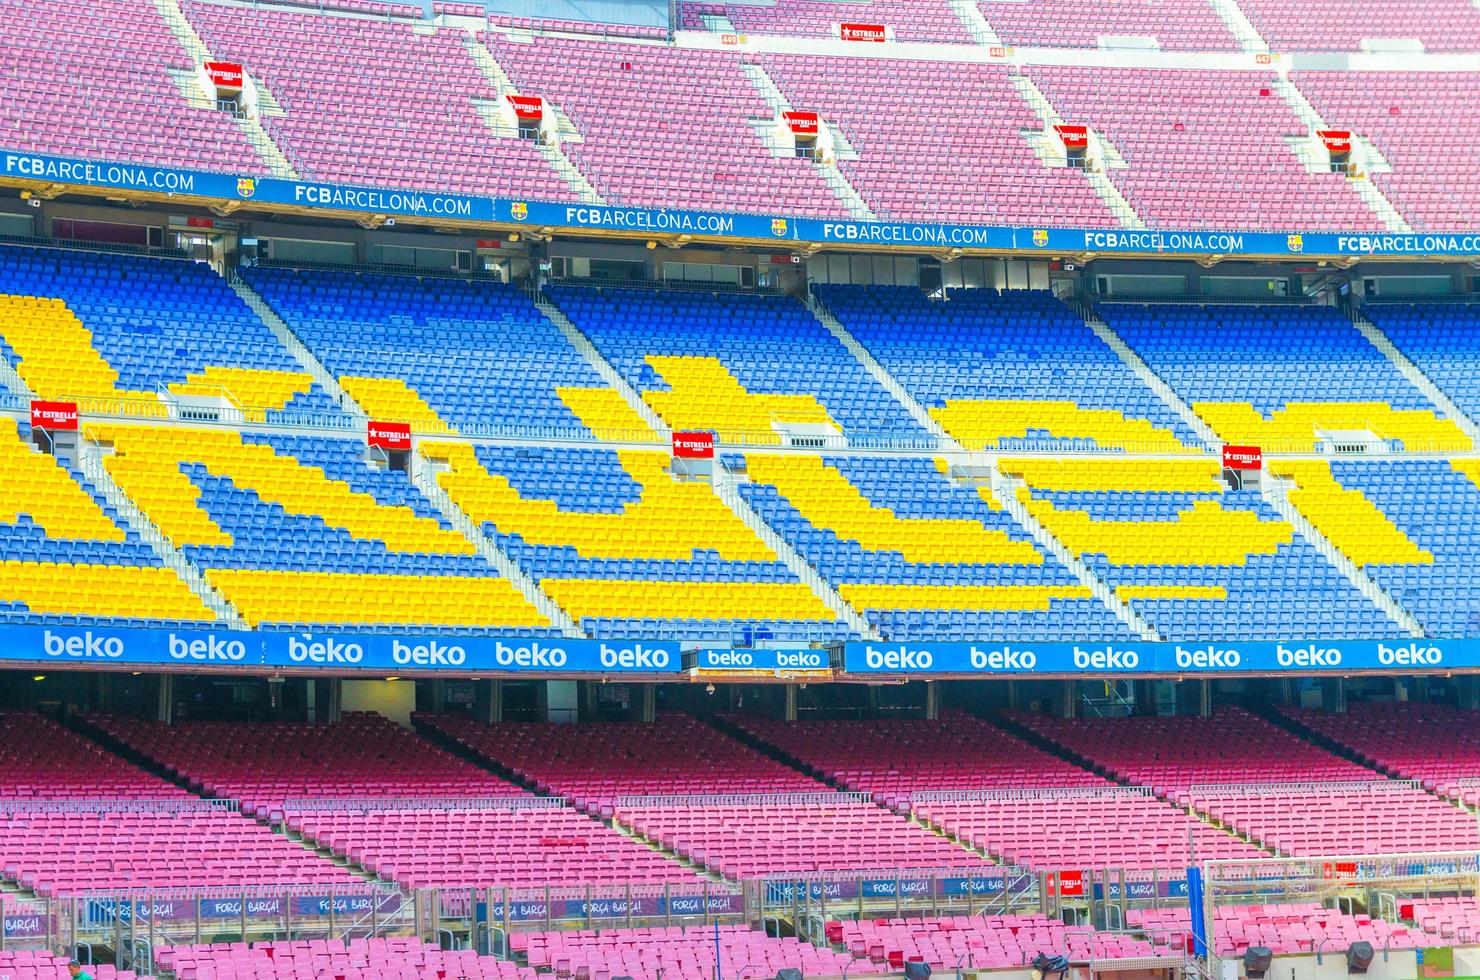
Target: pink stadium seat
(1205,149)
(1432,743)
(910,20)
(508,845)
(981,942)
(404,92)
(389,958)
(266,765)
(24,964)
(1286,928)
(591,764)
(648,113)
(938,141)
(1265,783)
(1186,25)
(98,80)
(1421,123)
(1343,25)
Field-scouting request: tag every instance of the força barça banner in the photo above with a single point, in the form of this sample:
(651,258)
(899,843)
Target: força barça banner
(212,186)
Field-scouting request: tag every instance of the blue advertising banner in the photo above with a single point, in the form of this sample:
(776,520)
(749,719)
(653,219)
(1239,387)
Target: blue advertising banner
(107,645)
(392,652)
(761,659)
(997,659)
(84,647)
(19,165)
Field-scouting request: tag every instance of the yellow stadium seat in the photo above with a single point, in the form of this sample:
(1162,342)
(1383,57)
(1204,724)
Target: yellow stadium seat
(825,498)
(1346,517)
(1132,592)
(1293,428)
(673,518)
(1204,534)
(1193,475)
(981,424)
(344,598)
(32,483)
(704,395)
(57,356)
(971,597)
(606,413)
(390,400)
(147,592)
(254,391)
(146,463)
(602,598)
(1469,467)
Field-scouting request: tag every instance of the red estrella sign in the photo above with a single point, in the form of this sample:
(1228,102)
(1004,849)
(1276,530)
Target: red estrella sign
(1066,884)
(527,106)
(225,75)
(1336,140)
(801,123)
(54,415)
(693,445)
(389,435)
(1074,137)
(1243,458)
(876,33)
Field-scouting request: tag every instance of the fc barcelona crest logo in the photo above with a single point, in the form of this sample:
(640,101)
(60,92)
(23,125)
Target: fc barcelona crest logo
(1040,237)
(1295,243)
(519,210)
(778,227)
(246,186)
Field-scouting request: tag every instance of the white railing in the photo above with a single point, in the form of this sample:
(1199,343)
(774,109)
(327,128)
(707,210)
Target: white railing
(1056,793)
(1304,786)
(182,805)
(372,804)
(737,799)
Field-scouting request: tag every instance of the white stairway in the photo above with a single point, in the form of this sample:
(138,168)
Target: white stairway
(841,187)
(424,478)
(1098,179)
(603,367)
(725,489)
(294,346)
(971,17)
(1240,26)
(1275,492)
(1391,218)
(1005,488)
(1151,379)
(270,153)
(1415,376)
(92,467)
(553,154)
